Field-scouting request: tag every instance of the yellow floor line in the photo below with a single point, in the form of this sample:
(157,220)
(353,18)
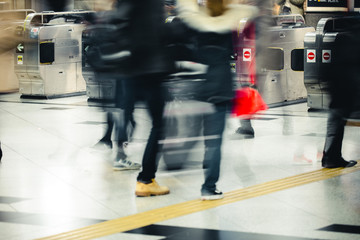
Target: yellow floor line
(353,123)
(161,214)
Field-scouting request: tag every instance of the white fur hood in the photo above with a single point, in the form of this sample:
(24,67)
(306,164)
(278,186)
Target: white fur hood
(195,16)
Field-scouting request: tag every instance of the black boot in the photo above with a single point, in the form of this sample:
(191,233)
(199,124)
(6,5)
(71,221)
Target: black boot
(327,162)
(246,128)
(332,157)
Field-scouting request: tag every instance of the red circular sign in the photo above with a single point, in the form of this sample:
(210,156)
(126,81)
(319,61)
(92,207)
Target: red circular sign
(247,54)
(311,55)
(326,56)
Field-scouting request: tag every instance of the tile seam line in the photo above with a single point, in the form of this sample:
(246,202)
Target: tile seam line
(103,229)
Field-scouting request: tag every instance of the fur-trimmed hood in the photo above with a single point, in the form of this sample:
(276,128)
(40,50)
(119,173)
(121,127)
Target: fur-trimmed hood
(197,17)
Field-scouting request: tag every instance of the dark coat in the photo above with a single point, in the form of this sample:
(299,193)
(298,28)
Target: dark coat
(148,39)
(214,47)
(215,50)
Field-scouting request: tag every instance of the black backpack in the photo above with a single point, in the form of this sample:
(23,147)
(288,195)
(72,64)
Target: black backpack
(106,41)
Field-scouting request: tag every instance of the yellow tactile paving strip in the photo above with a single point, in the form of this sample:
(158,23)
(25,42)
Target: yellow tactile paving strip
(161,214)
(353,123)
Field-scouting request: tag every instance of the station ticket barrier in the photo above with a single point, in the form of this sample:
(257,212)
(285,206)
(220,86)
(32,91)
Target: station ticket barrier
(10,20)
(271,56)
(50,62)
(318,56)
(100,86)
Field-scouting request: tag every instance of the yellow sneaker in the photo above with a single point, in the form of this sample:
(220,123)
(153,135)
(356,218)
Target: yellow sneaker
(150,189)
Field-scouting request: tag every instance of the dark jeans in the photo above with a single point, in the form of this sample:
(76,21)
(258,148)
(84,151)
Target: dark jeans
(335,133)
(213,125)
(150,90)
(119,102)
(126,101)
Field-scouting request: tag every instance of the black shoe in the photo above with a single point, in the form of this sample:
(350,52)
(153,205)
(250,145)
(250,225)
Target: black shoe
(249,132)
(326,163)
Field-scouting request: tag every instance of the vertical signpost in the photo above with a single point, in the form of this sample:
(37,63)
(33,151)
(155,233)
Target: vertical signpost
(318,9)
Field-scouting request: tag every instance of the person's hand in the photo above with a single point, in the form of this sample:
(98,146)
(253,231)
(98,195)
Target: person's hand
(276,9)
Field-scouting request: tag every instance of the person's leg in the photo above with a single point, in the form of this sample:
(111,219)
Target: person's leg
(214,125)
(125,102)
(332,156)
(146,184)
(130,128)
(246,128)
(155,102)
(106,139)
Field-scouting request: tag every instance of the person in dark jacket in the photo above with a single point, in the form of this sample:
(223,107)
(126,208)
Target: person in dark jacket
(150,65)
(113,16)
(342,75)
(213,28)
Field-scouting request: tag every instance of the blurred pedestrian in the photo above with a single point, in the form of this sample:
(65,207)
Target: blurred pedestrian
(342,75)
(256,31)
(106,35)
(212,27)
(115,116)
(150,65)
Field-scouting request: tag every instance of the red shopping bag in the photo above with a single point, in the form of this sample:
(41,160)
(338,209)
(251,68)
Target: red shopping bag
(247,102)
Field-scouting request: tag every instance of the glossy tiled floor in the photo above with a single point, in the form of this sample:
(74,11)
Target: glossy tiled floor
(52,180)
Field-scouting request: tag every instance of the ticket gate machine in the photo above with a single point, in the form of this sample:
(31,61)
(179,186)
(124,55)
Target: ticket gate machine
(9,21)
(49,63)
(318,48)
(99,86)
(276,81)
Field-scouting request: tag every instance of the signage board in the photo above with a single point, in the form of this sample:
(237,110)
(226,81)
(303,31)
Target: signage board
(327,6)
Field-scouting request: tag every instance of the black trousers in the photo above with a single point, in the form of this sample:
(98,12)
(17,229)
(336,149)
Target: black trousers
(213,125)
(149,89)
(335,133)
(118,106)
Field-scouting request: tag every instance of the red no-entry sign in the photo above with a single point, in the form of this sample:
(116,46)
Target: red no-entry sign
(311,56)
(247,54)
(326,56)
